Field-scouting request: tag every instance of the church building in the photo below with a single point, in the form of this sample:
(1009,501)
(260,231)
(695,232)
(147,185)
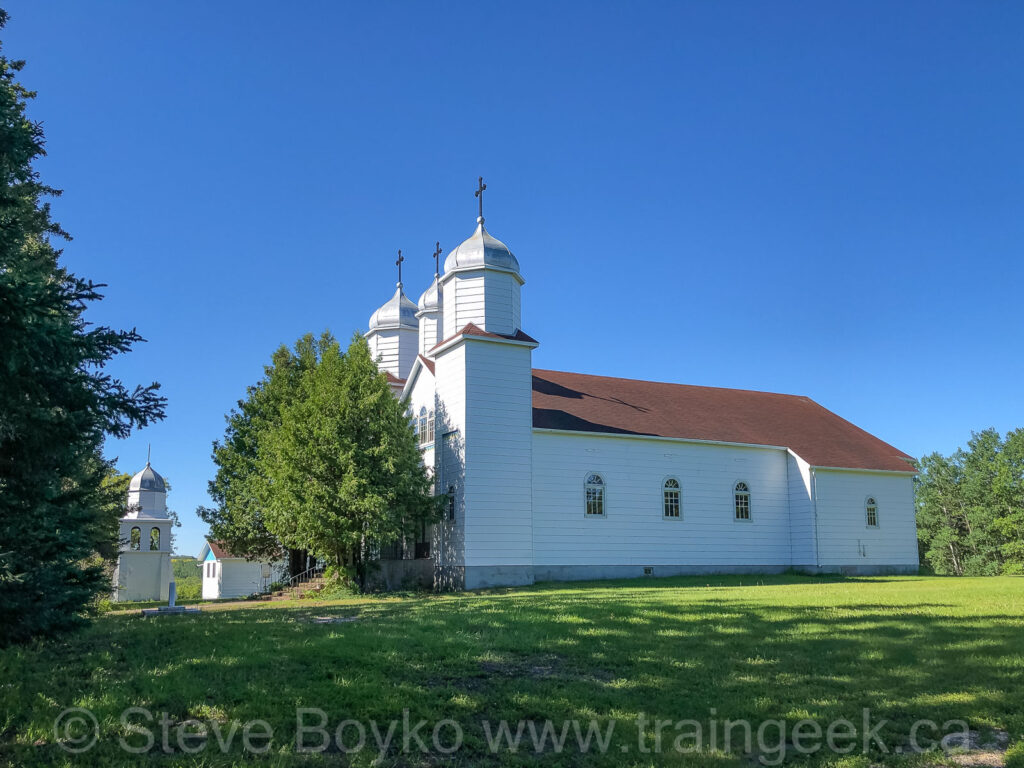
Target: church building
(552,475)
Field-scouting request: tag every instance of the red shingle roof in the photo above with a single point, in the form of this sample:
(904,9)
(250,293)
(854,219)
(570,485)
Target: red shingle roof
(428,364)
(219,550)
(584,403)
(471,329)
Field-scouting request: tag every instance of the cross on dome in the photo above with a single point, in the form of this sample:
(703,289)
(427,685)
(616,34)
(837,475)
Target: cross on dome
(479,194)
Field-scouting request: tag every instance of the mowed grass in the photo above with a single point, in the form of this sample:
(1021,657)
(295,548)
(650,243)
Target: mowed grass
(706,649)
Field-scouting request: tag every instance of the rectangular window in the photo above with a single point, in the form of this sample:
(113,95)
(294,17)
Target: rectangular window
(742,506)
(873,517)
(595,500)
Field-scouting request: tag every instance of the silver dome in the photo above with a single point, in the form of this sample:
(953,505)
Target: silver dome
(431,300)
(399,312)
(147,480)
(481,250)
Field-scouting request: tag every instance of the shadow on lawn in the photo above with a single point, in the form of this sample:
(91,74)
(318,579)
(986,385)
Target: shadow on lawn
(539,654)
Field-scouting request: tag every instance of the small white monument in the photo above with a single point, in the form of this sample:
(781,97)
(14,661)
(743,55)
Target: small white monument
(144,565)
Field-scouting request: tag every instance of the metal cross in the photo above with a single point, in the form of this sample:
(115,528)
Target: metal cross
(480,194)
(401,258)
(437,256)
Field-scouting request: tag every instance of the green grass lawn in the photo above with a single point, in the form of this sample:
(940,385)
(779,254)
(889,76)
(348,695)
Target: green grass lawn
(704,649)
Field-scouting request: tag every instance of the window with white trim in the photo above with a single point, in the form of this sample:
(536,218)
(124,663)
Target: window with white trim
(430,428)
(670,498)
(871,512)
(421,433)
(594,495)
(741,495)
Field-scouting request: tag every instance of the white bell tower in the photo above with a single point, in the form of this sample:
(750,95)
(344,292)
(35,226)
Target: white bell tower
(483,373)
(431,309)
(144,565)
(394,333)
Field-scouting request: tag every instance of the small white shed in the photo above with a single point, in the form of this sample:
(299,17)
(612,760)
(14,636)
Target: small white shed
(226,574)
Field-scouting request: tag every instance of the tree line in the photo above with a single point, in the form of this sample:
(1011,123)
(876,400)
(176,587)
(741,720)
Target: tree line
(319,457)
(970,507)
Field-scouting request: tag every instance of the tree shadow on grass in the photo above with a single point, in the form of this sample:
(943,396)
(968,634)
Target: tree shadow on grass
(540,654)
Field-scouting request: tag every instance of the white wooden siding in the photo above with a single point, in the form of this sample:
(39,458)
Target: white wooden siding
(450,416)
(430,331)
(801,512)
(489,299)
(394,350)
(498,444)
(634,530)
(844,538)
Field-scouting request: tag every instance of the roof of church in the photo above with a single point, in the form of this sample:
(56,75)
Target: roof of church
(584,403)
(472,329)
(481,249)
(397,312)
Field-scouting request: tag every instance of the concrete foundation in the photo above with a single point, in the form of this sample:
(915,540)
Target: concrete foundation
(391,575)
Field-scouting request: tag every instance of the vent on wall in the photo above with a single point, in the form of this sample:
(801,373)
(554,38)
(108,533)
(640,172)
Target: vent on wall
(648,571)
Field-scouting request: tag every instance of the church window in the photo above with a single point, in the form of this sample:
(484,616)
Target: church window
(594,495)
(422,434)
(871,510)
(742,497)
(451,502)
(136,539)
(154,539)
(671,498)
(430,428)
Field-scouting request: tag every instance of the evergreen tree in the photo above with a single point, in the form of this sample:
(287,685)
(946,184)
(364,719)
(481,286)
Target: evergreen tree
(347,474)
(241,487)
(56,403)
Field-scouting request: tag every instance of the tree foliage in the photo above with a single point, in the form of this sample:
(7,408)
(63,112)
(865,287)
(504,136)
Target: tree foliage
(57,518)
(970,507)
(320,457)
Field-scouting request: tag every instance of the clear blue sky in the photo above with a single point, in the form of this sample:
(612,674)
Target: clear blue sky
(815,198)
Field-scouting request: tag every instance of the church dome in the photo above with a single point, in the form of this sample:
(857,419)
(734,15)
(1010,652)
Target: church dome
(399,312)
(431,300)
(147,480)
(481,250)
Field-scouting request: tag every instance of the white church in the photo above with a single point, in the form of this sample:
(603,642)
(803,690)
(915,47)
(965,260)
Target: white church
(554,475)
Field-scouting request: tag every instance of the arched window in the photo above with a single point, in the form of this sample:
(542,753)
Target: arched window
(136,540)
(742,496)
(671,498)
(871,512)
(594,495)
(423,425)
(154,539)
(430,428)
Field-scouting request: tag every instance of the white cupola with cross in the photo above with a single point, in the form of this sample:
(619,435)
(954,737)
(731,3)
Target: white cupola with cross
(394,332)
(481,283)
(144,564)
(431,310)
